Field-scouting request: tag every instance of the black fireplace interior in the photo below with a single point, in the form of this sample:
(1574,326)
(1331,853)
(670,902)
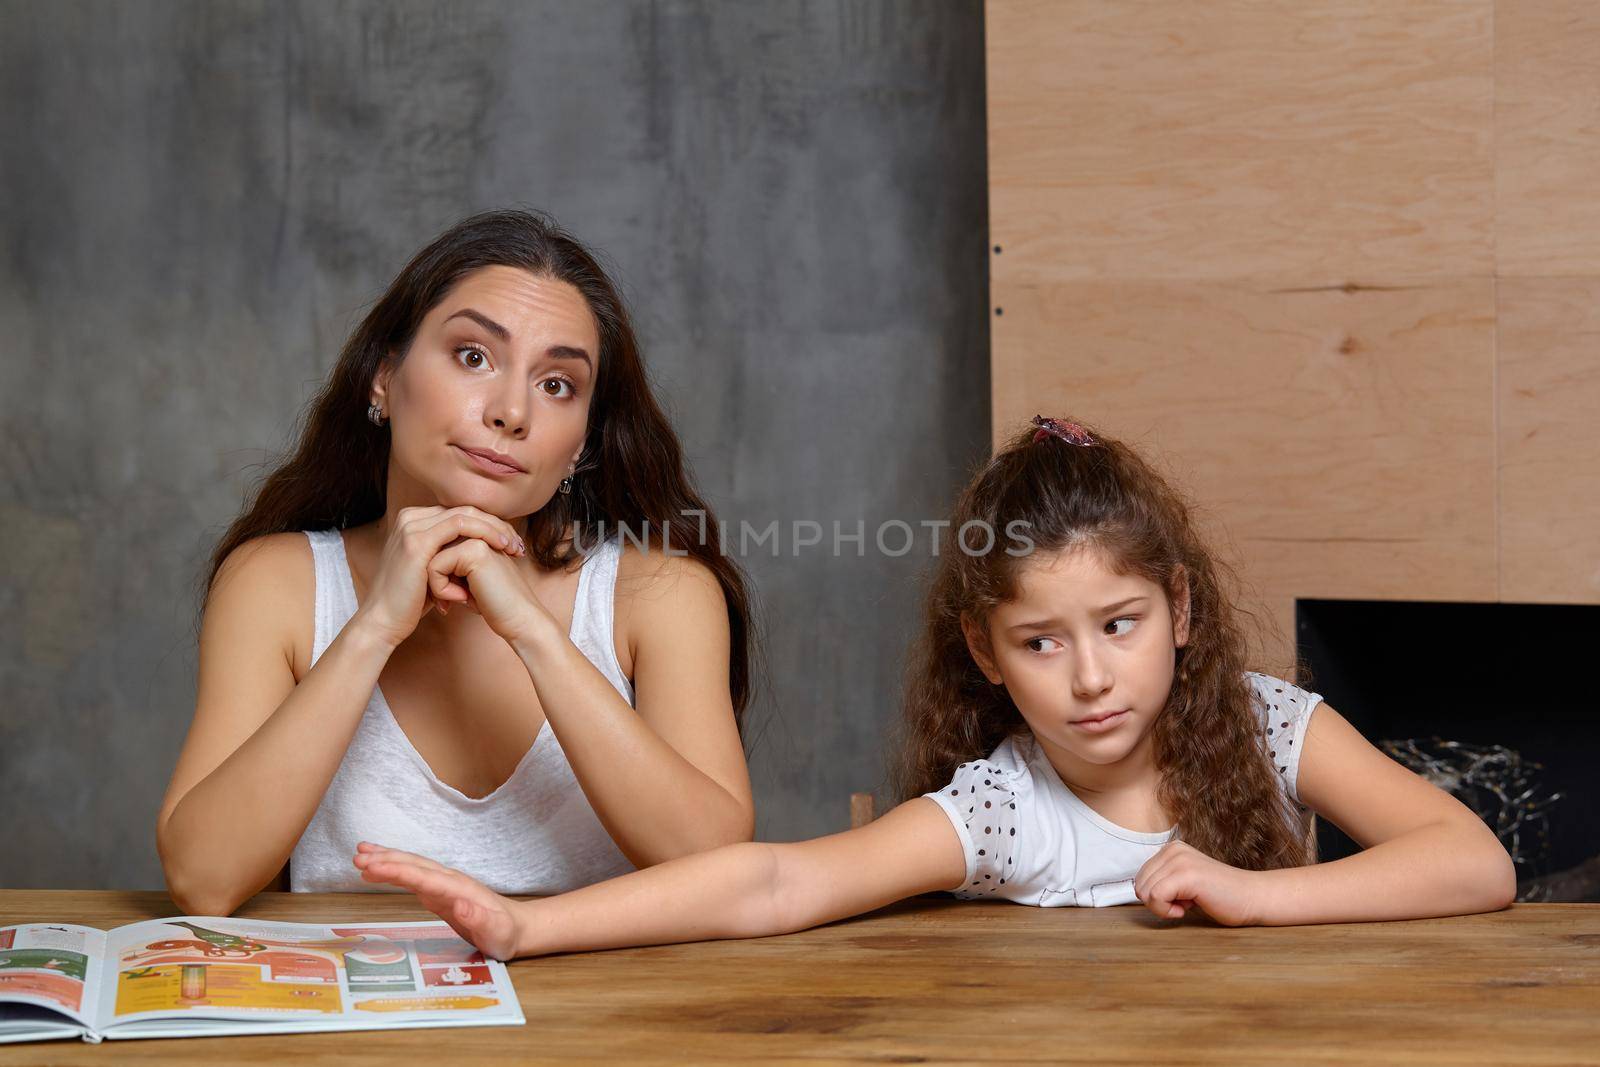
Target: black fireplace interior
(1481,674)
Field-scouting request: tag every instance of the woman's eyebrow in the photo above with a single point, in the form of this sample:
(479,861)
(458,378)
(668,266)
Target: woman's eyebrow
(568,352)
(554,351)
(482,320)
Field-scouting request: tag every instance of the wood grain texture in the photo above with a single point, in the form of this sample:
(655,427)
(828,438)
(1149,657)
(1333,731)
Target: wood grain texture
(1547,137)
(944,982)
(1265,238)
(1324,141)
(1549,393)
(1340,443)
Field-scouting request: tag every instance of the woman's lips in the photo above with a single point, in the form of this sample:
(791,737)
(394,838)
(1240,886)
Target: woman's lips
(1109,722)
(487,465)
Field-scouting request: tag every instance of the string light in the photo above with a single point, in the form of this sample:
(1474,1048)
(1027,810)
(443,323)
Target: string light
(1496,783)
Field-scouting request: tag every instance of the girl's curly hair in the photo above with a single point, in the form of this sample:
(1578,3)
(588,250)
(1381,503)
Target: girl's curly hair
(1216,772)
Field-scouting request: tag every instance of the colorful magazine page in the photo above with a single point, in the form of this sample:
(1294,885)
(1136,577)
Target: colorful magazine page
(49,974)
(200,971)
(198,975)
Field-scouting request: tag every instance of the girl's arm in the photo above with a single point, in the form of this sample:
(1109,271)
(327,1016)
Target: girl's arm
(1424,853)
(668,777)
(749,889)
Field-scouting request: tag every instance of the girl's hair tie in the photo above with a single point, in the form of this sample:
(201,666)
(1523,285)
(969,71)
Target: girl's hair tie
(1070,432)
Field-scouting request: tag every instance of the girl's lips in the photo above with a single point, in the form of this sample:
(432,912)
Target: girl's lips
(487,465)
(1100,725)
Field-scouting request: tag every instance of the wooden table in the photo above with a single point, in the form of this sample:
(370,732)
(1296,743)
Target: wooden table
(936,981)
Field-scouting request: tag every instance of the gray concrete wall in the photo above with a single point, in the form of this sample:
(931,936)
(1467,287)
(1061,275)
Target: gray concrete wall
(198,199)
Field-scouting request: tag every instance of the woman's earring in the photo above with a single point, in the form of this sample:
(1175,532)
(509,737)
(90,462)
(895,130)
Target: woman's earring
(375,414)
(566,485)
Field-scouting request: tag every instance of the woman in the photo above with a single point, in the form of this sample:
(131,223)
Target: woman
(487,432)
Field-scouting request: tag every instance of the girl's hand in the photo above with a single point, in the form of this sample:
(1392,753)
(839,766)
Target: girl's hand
(478,914)
(399,592)
(473,574)
(1180,876)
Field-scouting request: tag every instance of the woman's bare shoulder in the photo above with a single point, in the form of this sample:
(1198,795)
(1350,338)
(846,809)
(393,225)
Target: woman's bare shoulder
(273,578)
(657,593)
(648,569)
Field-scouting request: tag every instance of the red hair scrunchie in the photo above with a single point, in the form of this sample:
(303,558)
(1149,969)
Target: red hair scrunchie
(1070,432)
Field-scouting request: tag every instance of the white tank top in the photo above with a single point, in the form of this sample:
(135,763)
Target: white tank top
(535,834)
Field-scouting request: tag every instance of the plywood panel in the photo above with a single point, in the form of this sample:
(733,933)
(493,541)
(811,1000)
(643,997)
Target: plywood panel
(1343,440)
(1318,142)
(1547,137)
(1266,237)
(1549,389)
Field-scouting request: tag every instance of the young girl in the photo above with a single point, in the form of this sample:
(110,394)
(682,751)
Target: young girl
(1080,731)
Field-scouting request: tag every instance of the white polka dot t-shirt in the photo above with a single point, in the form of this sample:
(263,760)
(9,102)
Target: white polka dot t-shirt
(1030,839)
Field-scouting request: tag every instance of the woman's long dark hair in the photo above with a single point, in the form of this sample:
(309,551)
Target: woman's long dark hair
(631,472)
(1216,773)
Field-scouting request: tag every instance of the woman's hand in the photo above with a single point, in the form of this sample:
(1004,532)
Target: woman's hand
(478,914)
(1181,876)
(400,591)
(473,574)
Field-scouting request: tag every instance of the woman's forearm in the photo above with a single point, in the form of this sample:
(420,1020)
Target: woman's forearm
(1444,869)
(654,803)
(233,830)
(724,893)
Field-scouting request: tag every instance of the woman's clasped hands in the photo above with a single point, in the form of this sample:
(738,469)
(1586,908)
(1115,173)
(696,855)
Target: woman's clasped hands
(436,557)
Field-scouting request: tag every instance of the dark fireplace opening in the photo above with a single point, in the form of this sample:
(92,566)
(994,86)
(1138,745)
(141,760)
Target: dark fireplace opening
(1457,680)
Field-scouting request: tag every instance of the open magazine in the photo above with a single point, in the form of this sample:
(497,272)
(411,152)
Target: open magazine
(199,976)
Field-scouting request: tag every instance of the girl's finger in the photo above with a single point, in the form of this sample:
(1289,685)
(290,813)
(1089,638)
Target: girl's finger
(406,876)
(389,873)
(409,857)
(1166,894)
(427,883)
(1164,897)
(365,863)
(1147,876)
(421,863)
(378,851)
